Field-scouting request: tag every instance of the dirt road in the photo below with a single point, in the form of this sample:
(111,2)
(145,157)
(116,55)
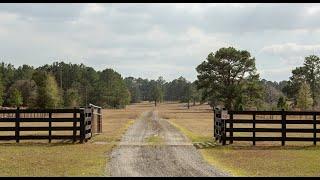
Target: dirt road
(153,147)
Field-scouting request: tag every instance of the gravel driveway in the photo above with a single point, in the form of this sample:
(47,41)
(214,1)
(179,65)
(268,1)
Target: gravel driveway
(153,147)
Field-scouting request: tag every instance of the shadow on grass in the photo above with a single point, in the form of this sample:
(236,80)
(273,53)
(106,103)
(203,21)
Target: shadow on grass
(182,111)
(43,144)
(269,147)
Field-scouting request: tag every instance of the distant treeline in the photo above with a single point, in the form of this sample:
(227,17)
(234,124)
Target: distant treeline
(159,90)
(71,85)
(227,78)
(61,85)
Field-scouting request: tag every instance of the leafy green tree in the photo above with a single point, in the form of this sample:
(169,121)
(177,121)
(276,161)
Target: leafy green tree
(24,72)
(253,91)
(28,89)
(221,75)
(134,89)
(282,103)
(310,73)
(48,91)
(111,90)
(15,98)
(304,100)
(72,98)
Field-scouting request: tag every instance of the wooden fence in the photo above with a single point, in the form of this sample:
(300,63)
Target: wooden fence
(224,126)
(96,119)
(80,128)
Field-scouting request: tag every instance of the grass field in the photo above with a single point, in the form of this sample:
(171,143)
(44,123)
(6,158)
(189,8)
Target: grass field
(241,158)
(38,158)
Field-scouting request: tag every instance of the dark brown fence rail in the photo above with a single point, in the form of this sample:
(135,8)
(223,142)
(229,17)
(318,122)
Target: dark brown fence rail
(224,128)
(80,117)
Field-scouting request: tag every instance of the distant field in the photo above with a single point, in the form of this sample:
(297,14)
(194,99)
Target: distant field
(39,158)
(241,158)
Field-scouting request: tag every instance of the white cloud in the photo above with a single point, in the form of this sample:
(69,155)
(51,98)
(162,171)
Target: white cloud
(150,40)
(291,48)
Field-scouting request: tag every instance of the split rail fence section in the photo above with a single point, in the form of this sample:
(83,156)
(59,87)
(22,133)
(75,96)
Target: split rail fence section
(224,122)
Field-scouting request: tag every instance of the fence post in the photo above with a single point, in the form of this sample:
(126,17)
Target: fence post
(74,125)
(93,123)
(224,132)
(214,123)
(50,125)
(17,132)
(82,125)
(254,129)
(283,122)
(100,120)
(231,128)
(314,128)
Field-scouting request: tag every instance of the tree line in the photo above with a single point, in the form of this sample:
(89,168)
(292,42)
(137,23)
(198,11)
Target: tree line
(229,78)
(159,90)
(61,85)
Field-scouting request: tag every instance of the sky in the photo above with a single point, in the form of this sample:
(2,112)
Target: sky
(152,40)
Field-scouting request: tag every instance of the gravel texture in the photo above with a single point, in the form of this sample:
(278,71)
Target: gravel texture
(171,155)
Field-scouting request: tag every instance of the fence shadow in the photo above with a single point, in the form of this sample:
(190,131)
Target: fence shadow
(270,147)
(34,144)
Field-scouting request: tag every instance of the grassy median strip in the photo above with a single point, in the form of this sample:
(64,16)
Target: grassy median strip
(155,140)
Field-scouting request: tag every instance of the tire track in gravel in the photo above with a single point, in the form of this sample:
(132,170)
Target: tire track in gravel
(174,156)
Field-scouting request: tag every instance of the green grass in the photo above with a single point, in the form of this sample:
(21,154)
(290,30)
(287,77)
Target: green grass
(155,140)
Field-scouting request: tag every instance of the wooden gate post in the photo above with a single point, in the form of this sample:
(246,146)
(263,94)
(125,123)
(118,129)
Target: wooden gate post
(224,132)
(231,128)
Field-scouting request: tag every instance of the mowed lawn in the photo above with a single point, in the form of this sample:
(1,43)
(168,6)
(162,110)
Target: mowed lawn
(241,158)
(39,158)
